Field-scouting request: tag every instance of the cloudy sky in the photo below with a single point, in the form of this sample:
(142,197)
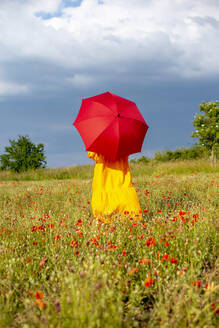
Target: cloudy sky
(161,54)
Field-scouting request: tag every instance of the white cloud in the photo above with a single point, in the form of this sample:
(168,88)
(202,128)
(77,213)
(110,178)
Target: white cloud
(8,88)
(159,39)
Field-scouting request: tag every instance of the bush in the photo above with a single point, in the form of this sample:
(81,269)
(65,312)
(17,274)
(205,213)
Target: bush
(142,159)
(180,154)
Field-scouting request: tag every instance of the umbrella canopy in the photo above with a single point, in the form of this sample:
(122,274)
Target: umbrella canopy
(111,125)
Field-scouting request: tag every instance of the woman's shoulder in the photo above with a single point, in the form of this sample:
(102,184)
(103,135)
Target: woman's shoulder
(95,157)
(119,163)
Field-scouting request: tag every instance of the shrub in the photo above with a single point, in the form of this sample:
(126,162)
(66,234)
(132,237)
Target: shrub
(180,154)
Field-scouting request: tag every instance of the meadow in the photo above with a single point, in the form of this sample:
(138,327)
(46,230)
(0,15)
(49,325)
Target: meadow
(60,268)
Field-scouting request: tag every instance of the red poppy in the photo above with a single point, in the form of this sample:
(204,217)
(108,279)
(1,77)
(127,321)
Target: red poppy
(148,282)
(172,260)
(124,253)
(197,283)
(150,242)
(74,243)
(165,257)
(39,295)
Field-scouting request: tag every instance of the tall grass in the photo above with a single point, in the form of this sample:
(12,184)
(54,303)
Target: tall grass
(62,173)
(138,169)
(174,167)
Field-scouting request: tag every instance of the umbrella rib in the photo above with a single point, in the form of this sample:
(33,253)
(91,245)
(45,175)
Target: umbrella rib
(100,134)
(133,130)
(110,110)
(90,118)
(103,105)
(135,119)
(118,137)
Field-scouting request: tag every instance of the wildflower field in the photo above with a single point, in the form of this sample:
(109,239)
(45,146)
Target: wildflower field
(59,268)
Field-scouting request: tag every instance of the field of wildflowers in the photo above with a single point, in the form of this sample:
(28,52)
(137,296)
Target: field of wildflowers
(59,268)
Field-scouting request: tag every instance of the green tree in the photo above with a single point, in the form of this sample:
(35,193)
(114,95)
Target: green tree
(207,128)
(22,155)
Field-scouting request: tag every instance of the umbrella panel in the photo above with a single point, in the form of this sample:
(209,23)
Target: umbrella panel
(107,142)
(91,128)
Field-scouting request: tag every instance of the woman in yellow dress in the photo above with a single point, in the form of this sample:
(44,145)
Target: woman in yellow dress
(112,189)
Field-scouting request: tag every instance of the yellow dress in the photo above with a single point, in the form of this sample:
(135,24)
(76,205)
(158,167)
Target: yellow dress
(112,189)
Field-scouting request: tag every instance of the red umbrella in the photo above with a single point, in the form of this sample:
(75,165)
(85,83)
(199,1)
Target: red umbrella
(111,125)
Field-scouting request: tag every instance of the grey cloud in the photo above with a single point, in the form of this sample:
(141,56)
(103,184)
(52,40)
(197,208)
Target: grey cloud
(207,20)
(47,78)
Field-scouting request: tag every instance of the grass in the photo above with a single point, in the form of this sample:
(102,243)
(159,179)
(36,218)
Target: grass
(58,268)
(74,172)
(138,169)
